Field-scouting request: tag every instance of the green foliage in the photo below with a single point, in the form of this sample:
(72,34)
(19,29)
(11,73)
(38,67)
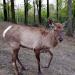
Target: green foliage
(1,15)
(19,16)
(1,4)
(73,8)
(29,6)
(51,8)
(44,12)
(63,12)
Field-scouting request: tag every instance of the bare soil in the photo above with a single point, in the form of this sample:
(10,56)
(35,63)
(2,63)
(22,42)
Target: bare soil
(63,62)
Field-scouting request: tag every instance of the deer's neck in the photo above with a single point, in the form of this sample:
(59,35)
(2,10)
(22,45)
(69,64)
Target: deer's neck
(54,40)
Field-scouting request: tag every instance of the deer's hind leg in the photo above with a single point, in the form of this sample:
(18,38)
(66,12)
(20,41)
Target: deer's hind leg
(15,47)
(14,58)
(22,67)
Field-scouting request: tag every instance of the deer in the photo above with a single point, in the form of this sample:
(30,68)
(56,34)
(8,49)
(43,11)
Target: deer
(35,38)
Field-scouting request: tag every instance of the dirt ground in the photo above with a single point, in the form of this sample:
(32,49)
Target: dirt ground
(63,62)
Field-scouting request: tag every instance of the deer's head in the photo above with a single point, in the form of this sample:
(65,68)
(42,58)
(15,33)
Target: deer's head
(58,29)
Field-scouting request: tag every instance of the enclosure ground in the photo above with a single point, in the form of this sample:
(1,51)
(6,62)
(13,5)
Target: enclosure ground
(63,62)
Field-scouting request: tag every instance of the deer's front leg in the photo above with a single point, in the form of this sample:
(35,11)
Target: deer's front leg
(37,54)
(14,57)
(51,56)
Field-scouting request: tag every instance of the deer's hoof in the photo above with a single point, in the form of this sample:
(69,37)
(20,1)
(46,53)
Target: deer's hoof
(19,73)
(23,68)
(45,67)
(39,73)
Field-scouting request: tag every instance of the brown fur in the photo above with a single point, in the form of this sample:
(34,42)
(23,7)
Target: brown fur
(36,38)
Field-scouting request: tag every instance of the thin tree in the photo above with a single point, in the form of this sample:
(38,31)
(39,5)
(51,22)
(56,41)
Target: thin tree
(47,9)
(13,11)
(59,8)
(26,11)
(73,20)
(69,29)
(5,10)
(74,8)
(34,9)
(8,8)
(57,11)
(39,11)
(37,6)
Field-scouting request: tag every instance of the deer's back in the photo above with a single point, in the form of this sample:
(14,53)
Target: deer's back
(31,37)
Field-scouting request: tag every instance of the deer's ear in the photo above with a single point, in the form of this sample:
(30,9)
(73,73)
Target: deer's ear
(58,26)
(55,29)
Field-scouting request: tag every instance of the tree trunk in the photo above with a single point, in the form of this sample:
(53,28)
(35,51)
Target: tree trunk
(73,20)
(26,11)
(40,11)
(37,6)
(74,8)
(5,10)
(69,29)
(47,9)
(34,9)
(8,10)
(57,11)
(13,11)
